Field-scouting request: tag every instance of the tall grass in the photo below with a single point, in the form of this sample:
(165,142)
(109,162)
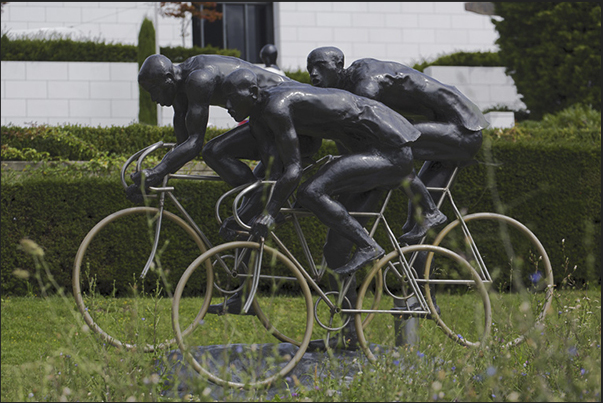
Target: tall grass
(49,354)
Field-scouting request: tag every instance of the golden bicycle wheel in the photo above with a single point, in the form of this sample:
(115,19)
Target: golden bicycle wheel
(471,327)
(238,350)
(123,309)
(521,285)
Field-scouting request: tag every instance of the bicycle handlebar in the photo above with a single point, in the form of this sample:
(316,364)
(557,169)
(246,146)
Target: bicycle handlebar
(250,187)
(139,156)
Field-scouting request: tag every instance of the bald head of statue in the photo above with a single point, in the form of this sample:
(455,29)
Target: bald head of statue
(157,76)
(325,66)
(241,90)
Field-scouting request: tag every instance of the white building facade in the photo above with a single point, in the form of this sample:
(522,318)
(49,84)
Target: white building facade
(86,93)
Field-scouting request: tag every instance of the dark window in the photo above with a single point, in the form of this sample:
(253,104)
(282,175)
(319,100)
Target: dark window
(244,26)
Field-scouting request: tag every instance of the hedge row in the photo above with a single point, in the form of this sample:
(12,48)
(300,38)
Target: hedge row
(82,143)
(577,124)
(555,189)
(68,50)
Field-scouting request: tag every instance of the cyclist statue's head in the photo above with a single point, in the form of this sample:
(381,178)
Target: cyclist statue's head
(325,66)
(157,76)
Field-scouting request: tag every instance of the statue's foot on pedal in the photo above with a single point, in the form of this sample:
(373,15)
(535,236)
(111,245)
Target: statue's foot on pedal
(420,229)
(234,306)
(230,230)
(361,258)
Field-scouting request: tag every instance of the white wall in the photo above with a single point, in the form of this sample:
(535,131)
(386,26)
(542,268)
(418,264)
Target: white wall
(107,94)
(113,22)
(405,32)
(57,93)
(94,94)
(486,86)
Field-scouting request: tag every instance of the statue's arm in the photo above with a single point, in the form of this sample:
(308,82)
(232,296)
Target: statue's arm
(287,144)
(179,121)
(189,145)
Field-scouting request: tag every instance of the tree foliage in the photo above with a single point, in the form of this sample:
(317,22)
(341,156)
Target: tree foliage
(204,10)
(552,50)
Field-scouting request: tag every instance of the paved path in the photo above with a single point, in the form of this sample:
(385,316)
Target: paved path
(343,365)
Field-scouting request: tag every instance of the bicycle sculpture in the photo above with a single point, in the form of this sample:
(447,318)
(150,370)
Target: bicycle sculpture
(492,276)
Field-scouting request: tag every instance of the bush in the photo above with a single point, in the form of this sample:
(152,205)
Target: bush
(486,59)
(76,142)
(553,189)
(552,50)
(299,75)
(68,50)
(547,176)
(179,54)
(147,109)
(61,50)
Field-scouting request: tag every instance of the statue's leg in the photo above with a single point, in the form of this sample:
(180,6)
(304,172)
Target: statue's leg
(224,153)
(337,251)
(354,173)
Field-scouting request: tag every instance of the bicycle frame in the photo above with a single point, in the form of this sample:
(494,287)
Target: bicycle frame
(312,280)
(161,193)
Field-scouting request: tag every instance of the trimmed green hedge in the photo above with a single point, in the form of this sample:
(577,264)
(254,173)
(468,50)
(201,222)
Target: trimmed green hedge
(554,189)
(479,59)
(68,50)
(546,174)
(77,142)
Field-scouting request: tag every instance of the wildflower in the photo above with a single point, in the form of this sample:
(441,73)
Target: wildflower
(31,394)
(420,354)
(491,371)
(143,318)
(396,362)
(535,277)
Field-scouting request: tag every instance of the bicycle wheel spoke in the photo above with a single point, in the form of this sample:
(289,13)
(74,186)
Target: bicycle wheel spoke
(116,303)
(237,349)
(467,321)
(521,279)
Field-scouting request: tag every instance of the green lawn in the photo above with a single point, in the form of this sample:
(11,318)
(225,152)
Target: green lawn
(48,354)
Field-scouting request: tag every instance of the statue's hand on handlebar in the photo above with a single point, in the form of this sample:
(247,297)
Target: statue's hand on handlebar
(134,192)
(262,225)
(150,179)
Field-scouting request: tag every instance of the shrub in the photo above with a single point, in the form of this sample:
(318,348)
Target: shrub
(68,50)
(552,50)
(179,54)
(299,75)
(147,109)
(60,50)
(486,59)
